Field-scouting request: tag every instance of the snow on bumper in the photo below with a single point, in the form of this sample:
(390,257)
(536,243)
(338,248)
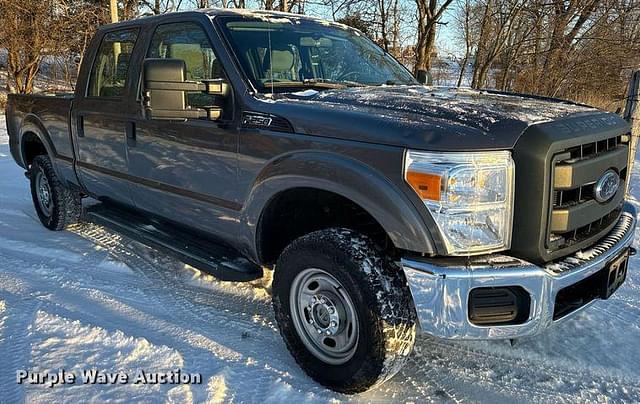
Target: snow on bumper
(441,293)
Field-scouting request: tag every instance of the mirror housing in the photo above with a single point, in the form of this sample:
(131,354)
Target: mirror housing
(165,91)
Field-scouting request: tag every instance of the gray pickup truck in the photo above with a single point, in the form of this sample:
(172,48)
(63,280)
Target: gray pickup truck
(245,140)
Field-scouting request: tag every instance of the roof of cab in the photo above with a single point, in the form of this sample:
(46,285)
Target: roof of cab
(213,12)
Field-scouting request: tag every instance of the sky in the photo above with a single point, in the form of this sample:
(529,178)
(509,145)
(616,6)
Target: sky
(445,42)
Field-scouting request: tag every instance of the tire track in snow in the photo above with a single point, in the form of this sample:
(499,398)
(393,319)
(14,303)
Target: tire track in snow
(181,327)
(163,270)
(15,350)
(165,273)
(195,308)
(57,289)
(529,377)
(611,309)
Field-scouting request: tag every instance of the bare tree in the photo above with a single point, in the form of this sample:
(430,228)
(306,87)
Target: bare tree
(30,28)
(578,49)
(388,21)
(499,20)
(466,33)
(429,14)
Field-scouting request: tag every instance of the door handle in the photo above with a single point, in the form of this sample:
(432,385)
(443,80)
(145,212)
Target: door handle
(80,126)
(131,134)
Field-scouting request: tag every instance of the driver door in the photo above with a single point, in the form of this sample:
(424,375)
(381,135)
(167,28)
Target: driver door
(186,170)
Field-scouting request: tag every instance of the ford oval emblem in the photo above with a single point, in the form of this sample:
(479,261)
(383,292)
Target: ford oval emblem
(607,186)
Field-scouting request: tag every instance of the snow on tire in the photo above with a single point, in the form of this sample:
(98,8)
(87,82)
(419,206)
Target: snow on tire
(56,205)
(351,264)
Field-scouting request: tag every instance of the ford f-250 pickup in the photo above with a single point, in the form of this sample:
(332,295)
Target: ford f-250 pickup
(245,140)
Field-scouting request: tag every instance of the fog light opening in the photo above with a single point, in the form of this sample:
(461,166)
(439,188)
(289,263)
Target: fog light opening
(508,305)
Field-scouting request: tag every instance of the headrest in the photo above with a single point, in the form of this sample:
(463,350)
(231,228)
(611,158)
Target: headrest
(281,61)
(192,54)
(123,58)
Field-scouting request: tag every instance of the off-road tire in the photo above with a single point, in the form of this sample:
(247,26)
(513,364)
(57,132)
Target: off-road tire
(66,203)
(379,291)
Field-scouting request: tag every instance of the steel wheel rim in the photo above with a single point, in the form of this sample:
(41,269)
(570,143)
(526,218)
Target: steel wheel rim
(43,192)
(324,316)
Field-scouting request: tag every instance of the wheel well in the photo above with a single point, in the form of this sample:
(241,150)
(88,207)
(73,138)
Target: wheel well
(32,146)
(299,211)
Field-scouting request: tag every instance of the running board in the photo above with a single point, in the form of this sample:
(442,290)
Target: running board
(222,262)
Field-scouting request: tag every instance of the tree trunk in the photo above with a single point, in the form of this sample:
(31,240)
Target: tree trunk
(113,9)
(22,68)
(425,46)
(428,15)
(395,29)
(632,114)
(463,69)
(504,76)
(382,11)
(481,47)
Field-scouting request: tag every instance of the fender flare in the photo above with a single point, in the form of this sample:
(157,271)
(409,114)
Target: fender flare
(31,123)
(343,176)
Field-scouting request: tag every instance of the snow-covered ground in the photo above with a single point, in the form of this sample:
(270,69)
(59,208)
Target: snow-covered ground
(88,298)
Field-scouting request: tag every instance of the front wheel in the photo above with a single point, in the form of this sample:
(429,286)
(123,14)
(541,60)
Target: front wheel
(343,309)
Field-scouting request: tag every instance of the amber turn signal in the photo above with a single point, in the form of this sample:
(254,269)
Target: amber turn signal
(428,186)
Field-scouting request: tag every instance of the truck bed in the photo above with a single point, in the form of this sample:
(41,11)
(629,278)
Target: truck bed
(49,110)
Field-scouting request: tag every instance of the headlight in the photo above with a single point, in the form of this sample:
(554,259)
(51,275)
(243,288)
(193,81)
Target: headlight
(470,196)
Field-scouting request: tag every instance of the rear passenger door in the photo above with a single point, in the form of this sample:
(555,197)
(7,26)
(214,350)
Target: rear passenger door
(102,116)
(186,169)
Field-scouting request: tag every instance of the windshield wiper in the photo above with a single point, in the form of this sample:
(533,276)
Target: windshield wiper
(391,83)
(342,83)
(303,84)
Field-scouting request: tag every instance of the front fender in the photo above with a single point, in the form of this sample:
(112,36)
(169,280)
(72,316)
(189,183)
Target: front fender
(346,177)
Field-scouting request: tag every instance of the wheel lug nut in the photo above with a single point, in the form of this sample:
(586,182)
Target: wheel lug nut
(333,324)
(331,310)
(319,331)
(328,332)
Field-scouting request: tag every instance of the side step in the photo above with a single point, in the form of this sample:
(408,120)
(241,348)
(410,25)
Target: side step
(222,262)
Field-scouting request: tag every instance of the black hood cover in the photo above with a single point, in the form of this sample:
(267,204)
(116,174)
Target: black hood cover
(419,117)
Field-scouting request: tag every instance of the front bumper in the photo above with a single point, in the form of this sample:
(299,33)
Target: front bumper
(441,291)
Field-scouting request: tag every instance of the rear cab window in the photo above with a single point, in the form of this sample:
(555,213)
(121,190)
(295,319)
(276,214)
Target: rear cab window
(110,70)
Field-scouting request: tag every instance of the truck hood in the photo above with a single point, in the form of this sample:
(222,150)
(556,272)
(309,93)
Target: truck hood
(419,117)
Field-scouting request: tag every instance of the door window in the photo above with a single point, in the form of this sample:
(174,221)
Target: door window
(110,69)
(189,42)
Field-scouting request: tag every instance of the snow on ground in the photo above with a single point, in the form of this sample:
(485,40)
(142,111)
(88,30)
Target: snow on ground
(88,298)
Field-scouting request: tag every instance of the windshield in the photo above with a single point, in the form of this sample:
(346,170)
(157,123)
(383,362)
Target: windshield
(281,54)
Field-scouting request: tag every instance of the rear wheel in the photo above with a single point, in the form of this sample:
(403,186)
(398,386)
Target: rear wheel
(56,205)
(343,309)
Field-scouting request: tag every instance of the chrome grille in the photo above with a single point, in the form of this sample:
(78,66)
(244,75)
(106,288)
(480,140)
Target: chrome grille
(618,232)
(575,172)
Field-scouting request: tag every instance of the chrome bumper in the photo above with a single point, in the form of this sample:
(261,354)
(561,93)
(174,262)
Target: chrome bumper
(440,293)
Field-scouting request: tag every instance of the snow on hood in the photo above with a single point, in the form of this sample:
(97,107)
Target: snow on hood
(419,116)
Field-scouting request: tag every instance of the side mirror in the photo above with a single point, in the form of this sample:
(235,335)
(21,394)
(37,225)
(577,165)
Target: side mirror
(424,77)
(165,91)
